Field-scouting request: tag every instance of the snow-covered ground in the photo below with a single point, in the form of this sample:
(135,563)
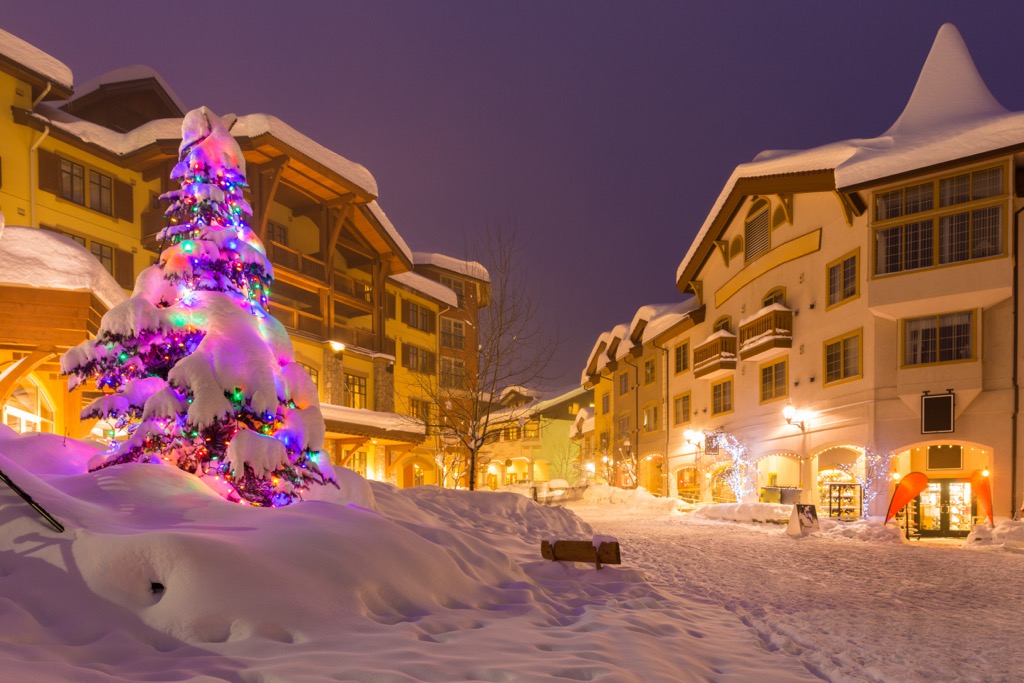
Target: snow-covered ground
(157,578)
(855,602)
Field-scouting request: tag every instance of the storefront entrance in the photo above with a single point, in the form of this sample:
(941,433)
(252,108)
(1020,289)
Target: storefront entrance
(945,508)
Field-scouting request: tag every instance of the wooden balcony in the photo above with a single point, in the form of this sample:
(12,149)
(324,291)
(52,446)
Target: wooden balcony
(304,264)
(715,357)
(765,333)
(357,337)
(296,321)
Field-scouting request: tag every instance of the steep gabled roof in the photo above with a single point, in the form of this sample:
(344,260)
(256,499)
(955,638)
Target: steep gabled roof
(951,115)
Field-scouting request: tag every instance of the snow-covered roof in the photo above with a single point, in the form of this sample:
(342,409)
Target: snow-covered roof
(660,317)
(34,59)
(427,287)
(252,125)
(30,257)
(459,267)
(377,420)
(584,422)
(385,222)
(135,72)
(950,115)
(248,125)
(541,402)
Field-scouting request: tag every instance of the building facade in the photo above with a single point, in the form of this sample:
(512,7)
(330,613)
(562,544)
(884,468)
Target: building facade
(90,162)
(854,318)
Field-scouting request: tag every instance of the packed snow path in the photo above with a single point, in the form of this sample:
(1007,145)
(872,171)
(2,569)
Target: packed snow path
(848,609)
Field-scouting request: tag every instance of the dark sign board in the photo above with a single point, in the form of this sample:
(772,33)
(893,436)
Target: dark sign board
(937,413)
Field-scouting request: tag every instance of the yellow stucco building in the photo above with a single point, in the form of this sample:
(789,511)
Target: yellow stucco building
(86,164)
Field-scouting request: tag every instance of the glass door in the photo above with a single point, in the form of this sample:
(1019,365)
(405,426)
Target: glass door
(945,508)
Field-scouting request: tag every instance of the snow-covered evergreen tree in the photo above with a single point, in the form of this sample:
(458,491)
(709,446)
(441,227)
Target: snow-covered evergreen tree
(192,365)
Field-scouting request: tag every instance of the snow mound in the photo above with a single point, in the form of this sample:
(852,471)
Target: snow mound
(639,499)
(746,512)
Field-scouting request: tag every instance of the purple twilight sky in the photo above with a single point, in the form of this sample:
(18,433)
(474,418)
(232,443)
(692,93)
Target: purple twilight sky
(602,130)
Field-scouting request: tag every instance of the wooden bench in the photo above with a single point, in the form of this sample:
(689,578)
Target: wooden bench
(607,552)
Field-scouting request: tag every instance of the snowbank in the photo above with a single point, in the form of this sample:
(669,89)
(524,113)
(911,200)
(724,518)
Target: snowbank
(365,583)
(639,499)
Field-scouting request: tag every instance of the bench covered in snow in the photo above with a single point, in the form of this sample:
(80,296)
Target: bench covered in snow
(602,550)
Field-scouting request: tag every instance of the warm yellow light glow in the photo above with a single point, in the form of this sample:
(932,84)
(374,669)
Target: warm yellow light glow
(789,412)
(336,346)
(895,476)
(984,473)
(589,467)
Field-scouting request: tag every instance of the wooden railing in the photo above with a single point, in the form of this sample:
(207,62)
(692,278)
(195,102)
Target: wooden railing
(762,335)
(353,336)
(297,321)
(343,284)
(773,323)
(715,349)
(297,262)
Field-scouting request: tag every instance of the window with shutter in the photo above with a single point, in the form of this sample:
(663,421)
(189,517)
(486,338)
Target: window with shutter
(124,268)
(757,237)
(123,204)
(49,171)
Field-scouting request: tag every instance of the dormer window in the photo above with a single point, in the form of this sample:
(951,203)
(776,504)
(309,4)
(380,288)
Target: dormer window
(723,323)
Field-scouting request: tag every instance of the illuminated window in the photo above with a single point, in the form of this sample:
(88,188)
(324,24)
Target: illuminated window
(842,358)
(721,397)
(650,417)
(682,357)
(355,391)
(842,280)
(938,338)
(773,381)
(681,409)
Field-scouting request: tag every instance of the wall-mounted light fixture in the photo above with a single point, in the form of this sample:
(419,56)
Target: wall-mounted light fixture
(693,437)
(794,417)
(338,348)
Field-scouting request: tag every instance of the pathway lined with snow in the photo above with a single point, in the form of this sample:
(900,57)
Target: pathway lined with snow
(848,609)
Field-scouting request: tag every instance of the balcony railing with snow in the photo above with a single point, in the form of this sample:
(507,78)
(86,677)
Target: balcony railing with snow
(716,356)
(769,329)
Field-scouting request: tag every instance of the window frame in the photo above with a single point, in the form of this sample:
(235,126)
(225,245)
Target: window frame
(676,404)
(775,295)
(842,338)
(681,351)
(731,396)
(623,383)
(758,208)
(905,230)
(649,426)
(973,339)
(840,263)
(772,366)
(354,380)
(650,371)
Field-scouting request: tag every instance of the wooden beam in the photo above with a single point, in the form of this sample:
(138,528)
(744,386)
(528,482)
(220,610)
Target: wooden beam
(268,177)
(21,369)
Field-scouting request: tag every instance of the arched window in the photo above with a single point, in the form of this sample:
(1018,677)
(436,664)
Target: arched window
(28,409)
(723,323)
(757,230)
(774,296)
